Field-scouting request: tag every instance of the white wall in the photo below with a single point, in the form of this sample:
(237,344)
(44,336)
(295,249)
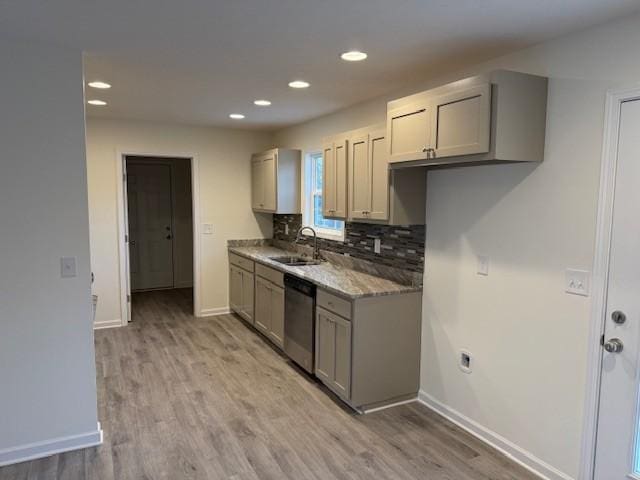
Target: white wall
(225,198)
(47,366)
(527,336)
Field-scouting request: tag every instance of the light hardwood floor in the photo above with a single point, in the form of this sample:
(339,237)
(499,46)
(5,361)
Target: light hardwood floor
(187,398)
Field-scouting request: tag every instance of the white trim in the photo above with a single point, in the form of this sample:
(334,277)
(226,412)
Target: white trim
(614,100)
(123,253)
(212,312)
(493,439)
(31,451)
(391,405)
(107,324)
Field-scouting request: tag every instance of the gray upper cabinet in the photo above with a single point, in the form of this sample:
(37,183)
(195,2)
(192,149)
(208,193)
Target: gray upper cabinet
(275,181)
(462,121)
(497,116)
(334,181)
(409,129)
(376,194)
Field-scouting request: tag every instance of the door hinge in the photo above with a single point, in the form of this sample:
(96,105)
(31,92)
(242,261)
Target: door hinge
(128,298)
(126,238)
(124,177)
(602,340)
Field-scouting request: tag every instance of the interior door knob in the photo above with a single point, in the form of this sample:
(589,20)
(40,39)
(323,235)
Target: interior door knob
(614,345)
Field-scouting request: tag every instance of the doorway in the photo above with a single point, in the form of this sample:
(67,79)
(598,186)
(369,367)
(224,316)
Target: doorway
(616,442)
(159,225)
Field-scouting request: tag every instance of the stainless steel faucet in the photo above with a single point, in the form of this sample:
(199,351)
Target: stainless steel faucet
(316,252)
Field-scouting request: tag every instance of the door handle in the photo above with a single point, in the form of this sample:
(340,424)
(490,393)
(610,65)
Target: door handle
(168,237)
(614,345)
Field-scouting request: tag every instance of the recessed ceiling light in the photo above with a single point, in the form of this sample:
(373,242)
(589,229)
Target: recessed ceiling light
(101,85)
(298,84)
(236,116)
(353,56)
(262,103)
(97,102)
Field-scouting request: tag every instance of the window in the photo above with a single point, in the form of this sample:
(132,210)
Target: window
(326,228)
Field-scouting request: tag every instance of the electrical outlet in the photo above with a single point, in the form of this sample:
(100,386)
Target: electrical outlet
(464,361)
(376,245)
(577,282)
(207,228)
(483,265)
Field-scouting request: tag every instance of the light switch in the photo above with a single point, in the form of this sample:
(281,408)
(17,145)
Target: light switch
(483,265)
(376,245)
(577,282)
(68,267)
(207,228)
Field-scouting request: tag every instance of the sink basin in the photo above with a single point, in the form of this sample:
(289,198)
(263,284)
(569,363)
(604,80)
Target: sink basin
(295,261)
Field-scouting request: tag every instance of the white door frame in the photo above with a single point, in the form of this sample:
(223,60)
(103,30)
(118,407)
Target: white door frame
(614,101)
(123,250)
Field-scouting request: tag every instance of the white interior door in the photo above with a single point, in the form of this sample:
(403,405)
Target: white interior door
(617,443)
(150,225)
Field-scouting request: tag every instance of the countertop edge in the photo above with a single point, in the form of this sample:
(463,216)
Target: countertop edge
(284,269)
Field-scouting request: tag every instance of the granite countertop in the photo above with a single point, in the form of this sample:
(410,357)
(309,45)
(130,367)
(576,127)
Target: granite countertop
(333,278)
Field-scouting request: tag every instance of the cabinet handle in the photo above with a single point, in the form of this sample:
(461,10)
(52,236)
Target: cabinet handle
(425,150)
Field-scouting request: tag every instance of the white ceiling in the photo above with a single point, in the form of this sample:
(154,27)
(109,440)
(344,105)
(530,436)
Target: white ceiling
(196,61)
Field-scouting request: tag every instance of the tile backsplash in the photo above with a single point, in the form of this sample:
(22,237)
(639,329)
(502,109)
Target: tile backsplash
(400,246)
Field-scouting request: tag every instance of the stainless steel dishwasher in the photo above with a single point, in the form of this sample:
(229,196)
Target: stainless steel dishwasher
(299,321)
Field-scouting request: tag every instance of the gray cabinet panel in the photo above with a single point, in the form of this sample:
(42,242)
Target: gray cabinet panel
(235,288)
(409,131)
(360,177)
(379,168)
(462,122)
(342,348)
(247,296)
(263,306)
(277,316)
(325,346)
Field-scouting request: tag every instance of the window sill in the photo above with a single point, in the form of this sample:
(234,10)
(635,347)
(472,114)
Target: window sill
(326,234)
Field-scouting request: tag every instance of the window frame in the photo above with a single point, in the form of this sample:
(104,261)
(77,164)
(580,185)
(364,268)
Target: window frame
(310,192)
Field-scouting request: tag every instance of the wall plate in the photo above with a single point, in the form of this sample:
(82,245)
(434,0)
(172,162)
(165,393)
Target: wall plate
(577,282)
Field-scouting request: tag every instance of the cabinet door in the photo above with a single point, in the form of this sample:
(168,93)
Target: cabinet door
(379,167)
(340,155)
(262,314)
(325,346)
(257,184)
(277,316)
(270,182)
(247,296)
(462,122)
(359,177)
(235,289)
(328,180)
(409,132)
(342,361)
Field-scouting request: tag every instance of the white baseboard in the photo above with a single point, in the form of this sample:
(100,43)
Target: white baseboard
(31,451)
(212,312)
(508,448)
(107,324)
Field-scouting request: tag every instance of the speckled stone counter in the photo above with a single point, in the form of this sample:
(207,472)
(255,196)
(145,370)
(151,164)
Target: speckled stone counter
(333,278)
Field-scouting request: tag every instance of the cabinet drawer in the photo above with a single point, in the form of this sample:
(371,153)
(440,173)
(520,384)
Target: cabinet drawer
(241,262)
(274,276)
(334,304)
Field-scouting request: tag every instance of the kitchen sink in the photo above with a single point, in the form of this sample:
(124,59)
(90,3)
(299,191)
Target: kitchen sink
(293,261)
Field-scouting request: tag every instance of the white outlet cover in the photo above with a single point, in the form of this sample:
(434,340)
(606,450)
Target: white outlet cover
(465,368)
(207,228)
(376,245)
(577,282)
(483,265)
(68,267)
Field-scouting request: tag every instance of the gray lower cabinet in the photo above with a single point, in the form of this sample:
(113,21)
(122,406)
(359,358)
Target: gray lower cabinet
(269,306)
(241,287)
(333,351)
(371,358)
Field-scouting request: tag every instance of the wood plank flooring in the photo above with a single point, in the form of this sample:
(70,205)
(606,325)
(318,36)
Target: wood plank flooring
(187,398)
